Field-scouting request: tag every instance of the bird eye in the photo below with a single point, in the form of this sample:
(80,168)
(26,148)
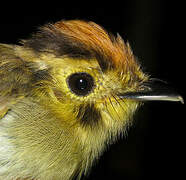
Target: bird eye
(80,84)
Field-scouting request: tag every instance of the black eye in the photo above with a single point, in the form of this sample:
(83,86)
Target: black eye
(80,84)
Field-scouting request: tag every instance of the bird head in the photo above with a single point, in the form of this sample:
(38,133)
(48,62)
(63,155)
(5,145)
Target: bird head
(90,70)
(85,78)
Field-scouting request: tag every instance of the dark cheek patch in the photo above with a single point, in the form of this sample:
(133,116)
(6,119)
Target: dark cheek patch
(89,115)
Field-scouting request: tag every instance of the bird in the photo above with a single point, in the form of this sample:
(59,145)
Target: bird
(66,93)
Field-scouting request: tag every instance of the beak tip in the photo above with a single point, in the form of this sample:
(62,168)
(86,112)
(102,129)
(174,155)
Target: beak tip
(181,99)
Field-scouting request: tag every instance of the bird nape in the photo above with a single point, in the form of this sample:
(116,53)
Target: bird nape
(65,94)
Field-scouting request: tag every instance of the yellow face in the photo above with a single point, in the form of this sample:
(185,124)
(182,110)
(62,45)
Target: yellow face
(88,98)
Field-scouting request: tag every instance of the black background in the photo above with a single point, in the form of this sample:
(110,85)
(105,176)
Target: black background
(155,145)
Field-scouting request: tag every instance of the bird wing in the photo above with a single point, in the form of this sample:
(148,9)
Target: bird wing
(11,80)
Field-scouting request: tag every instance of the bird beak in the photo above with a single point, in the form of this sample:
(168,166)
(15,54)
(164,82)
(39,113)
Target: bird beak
(156,90)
